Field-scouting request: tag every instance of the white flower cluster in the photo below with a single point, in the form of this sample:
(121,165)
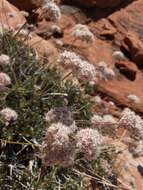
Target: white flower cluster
(5,80)
(118,55)
(81,69)
(97,100)
(8,115)
(51,11)
(89,142)
(137,148)
(133,98)
(98,120)
(128,119)
(58,148)
(132,122)
(106,72)
(82,33)
(4,59)
(109,119)
(62,142)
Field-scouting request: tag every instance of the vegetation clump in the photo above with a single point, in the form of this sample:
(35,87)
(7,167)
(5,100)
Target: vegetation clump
(39,115)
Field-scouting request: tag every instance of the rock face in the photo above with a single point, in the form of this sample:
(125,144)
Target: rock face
(92,3)
(121,30)
(27,5)
(10,16)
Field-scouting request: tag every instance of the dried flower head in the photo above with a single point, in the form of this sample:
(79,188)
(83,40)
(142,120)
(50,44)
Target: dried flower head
(97,100)
(39,3)
(109,119)
(133,98)
(4,80)
(4,59)
(82,33)
(96,120)
(8,115)
(137,148)
(89,142)
(51,11)
(58,148)
(133,122)
(82,69)
(109,73)
(128,118)
(106,73)
(60,114)
(118,55)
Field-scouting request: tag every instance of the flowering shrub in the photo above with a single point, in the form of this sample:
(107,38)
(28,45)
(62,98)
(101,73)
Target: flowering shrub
(33,91)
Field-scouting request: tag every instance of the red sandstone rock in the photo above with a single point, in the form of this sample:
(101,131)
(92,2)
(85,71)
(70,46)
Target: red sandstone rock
(92,3)
(10,16)
(27,5)
(134,45)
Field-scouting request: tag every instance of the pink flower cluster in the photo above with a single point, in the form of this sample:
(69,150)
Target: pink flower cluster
(89,142)
(5,80)
(8,115)
(82,33)
(58,147)
(51,11)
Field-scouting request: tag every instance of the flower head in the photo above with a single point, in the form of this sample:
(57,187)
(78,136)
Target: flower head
(96,120)
(62,115)
(105,72)
(4,59)
(51,11)
(82,33)
(133,122)
(109,119)
(128,118)
(8,115)
(4,80)
(57,147)
(89,142)
(97,100)
(82,69)
(118,55)
(133,98)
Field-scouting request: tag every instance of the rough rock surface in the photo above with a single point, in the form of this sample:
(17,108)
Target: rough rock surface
(10,16)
